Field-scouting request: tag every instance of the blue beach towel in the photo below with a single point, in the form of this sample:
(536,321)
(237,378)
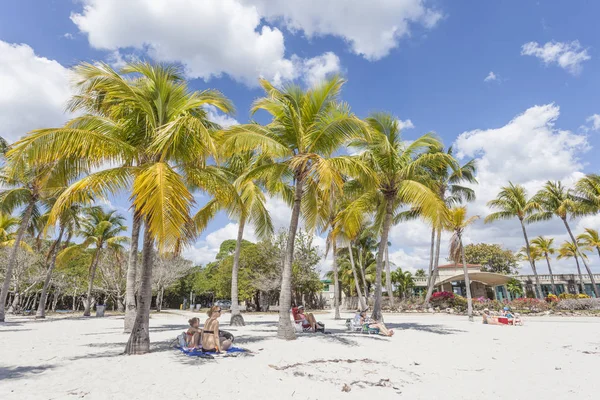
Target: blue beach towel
(200,353)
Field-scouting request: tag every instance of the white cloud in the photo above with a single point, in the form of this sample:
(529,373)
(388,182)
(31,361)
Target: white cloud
(316,69)
(568,56)
(491,77)
(69,36)
(595,121)
(218,117)
(34,91)
(371,28)
(406,124)
(210,38)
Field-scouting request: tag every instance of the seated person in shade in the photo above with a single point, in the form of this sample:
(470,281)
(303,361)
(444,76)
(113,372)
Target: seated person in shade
(193,334)
(307,320)
(373,324)
(212,341)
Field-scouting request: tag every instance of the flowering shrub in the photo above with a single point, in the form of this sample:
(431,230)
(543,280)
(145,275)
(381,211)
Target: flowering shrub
(532,305)
(459,302)
(482,303)
(551,298)
(441,299)
(573,296)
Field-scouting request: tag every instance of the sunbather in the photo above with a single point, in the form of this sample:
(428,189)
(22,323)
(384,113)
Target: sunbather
(373,324)
(489,319)
(307,320)
(212,340)
(193,334)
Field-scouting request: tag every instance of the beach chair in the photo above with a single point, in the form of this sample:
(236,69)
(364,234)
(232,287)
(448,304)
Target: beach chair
(353,326)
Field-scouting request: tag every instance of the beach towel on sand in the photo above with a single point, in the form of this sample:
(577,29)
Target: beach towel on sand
(201,354)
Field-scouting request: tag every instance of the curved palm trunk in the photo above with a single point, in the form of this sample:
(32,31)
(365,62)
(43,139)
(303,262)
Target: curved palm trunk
(285,329)
(361,300)
(236,315)
(139,340)
(336,283)
(361,268)
(389,210)
(467,280)
(551,274)
(587,267)
(41,311)
(388,276)
(130,298)
(539,294)
(436,262)
(580,286)
(88,305)
(431,252)
(12,257)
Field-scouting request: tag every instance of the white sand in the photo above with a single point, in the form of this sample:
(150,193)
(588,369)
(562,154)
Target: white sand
(431,356)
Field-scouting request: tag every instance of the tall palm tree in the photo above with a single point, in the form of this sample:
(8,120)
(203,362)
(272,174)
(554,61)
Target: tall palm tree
(587,194)
(457,223)
(545,246)
(512,202)
(147,134)
(568,250)
(448,183)
(590,239)
(100,229)
(400,180)
(556,200)
(8,227)
(403,280)
(306,128)
(248,206)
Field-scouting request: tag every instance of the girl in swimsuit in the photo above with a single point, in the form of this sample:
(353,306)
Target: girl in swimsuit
(194,333)
(211,342)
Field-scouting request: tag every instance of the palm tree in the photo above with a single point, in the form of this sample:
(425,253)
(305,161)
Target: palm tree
(512,202)
(248,206)
(306,128)
(569,250)
(100,229)
(554,199)
(457,223)
(590,239)
(149,135)
(545,246)
(403,281)
(448,183)
(587,194)
(400,180)
(8,226)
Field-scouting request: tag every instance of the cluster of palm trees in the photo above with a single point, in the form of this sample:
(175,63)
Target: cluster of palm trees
(141,131)
(553,200)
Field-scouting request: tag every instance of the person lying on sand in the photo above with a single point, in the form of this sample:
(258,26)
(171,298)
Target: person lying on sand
(193,334)
(307,320)
(373,324)
(212,341)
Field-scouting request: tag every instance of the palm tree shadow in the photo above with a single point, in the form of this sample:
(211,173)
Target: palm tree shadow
(23,371)
(437,329)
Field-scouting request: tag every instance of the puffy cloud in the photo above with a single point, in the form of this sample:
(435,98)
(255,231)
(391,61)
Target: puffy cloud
(34,91)
(371,28)
(316,69)
(594,120)
(209,38)
(569,56)
(218,117)
(406,124)
(491,77)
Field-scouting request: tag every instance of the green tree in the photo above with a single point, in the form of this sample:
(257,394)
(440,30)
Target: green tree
(590,239)
(514,287)
(512,202)
(546,247)
(569,250)
(400,175)
(556,200)
(492,257)
(306,128)
(457,223)
(403,281)
(587,194)
(421,273)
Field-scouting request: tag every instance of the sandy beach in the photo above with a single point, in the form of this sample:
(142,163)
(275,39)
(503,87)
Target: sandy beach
(441,356)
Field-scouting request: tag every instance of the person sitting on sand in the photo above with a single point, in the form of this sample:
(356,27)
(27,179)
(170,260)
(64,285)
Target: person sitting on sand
(489,319)
(373,324)
(307,320)
(212,341)
(193,334)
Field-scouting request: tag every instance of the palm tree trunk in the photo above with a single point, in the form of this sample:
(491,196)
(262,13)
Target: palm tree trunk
(139,340)
(159,299)
(551,274)
(388,276)
(88,305)
(361,268)
(389,211)
(436,262)
(361,300)
(336,282)
(12,257)
(579,287)
(587,267)
(285,329)
(41,312)
(130,298)
(538,287)
(467,279)
(431,251)
(236,315)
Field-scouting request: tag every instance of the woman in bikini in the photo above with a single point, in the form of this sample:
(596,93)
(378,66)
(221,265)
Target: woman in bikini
(383,330)
(211,341)
(193,334)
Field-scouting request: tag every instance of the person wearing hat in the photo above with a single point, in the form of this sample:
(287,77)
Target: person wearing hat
(308,320)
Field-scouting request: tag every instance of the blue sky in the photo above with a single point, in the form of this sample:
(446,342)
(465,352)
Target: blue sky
(536,117)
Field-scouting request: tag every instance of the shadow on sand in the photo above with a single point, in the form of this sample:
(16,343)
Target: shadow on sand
(437,329)
(24,371)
